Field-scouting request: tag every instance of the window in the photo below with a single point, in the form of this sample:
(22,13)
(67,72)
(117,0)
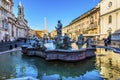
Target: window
(4,24)
(4,12)
(110,19)
(16,32)
(95,16)
(12,31)
(91,20)
(109,4)
(20,11)
(87,22)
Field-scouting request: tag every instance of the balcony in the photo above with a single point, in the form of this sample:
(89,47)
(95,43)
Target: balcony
(93,26)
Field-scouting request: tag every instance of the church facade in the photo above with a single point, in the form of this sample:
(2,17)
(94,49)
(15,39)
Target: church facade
(11,27)
(110,18)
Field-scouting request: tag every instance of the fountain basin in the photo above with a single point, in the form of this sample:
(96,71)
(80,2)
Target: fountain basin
(69,55)
(90,52)
(33,52)
(60,54)
(65,55)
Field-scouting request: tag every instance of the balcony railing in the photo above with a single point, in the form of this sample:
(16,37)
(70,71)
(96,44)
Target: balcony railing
(93,26)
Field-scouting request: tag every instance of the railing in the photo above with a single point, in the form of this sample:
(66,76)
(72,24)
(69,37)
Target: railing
(116,36)
(93,26)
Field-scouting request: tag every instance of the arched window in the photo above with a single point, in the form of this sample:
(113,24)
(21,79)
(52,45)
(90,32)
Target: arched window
(4,24)
(109,4)
(110,19)
(91,20)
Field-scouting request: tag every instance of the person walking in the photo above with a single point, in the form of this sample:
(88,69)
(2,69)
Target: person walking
(105,43)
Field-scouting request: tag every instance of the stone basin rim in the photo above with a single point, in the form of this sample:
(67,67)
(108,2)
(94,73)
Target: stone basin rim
(62,50)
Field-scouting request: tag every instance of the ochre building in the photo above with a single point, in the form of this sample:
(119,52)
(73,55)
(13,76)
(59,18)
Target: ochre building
(87,24)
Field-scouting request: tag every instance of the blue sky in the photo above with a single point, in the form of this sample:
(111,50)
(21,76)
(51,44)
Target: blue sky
(53,10)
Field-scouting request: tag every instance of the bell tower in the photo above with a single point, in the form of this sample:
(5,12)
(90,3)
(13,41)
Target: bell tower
(11,6)
(20,11)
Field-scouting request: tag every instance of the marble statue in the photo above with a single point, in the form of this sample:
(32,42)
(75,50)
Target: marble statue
(88,41)
(80,41)
(66,42)
(58,41)
(39,44)
(44,38)
(61,42)
(59,28)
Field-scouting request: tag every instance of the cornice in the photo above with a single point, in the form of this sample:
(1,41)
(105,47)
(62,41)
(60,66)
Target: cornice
(88,13)
(110,12)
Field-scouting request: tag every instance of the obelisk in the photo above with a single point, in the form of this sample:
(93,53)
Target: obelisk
(45,24)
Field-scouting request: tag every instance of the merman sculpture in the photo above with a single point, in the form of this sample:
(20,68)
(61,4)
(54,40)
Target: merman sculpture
(61,42)
(80,41)
(59,28)
(89,42)
(66,42)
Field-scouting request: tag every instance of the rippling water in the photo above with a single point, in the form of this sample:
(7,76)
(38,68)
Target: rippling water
(106,65)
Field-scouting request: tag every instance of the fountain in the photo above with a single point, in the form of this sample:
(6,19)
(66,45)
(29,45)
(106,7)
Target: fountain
(61,42)
(37,48)
(63,50)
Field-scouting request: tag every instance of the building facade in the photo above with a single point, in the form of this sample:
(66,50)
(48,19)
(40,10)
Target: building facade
(11,27)
(98,22)
(53,33)
(31,33)
(110,18)
(41,33)
(87,24)
(65,30)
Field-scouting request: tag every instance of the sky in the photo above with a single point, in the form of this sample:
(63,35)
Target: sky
(53,10)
